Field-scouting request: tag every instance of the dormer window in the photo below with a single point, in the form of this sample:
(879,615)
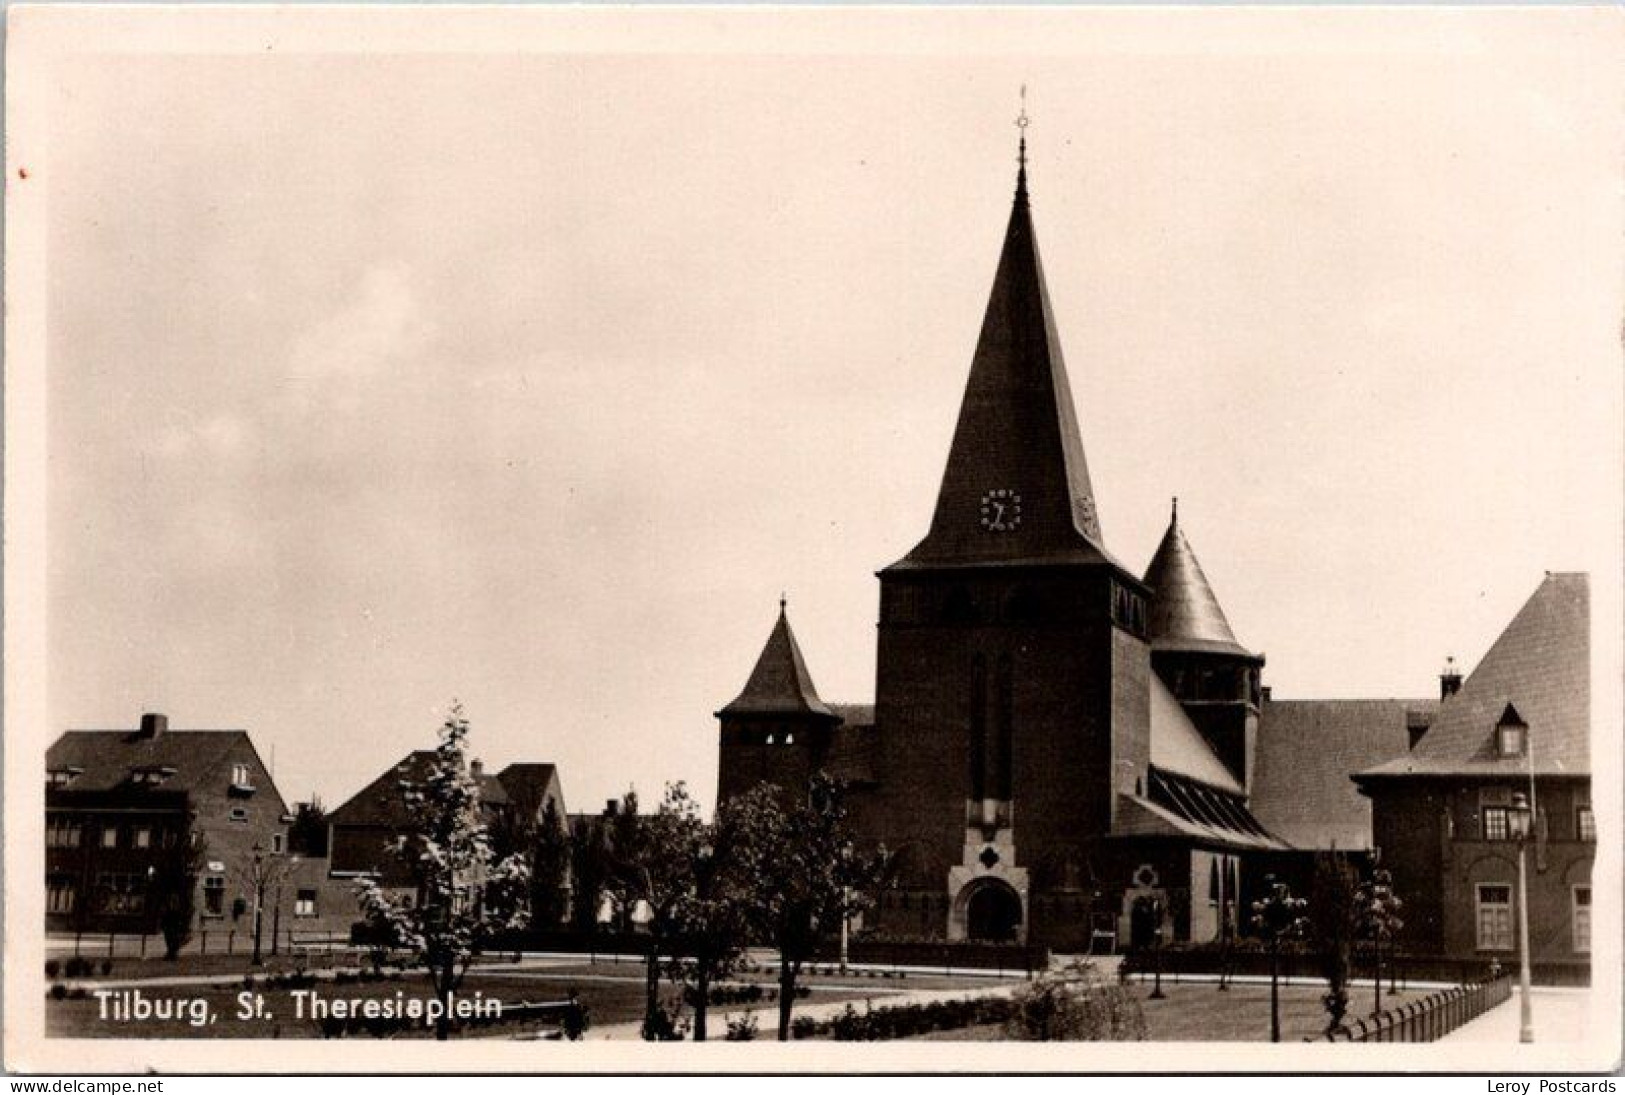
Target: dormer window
(61,777)
(1511,734)
(150,776)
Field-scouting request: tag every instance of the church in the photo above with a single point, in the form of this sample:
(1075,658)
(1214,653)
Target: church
(1060,751)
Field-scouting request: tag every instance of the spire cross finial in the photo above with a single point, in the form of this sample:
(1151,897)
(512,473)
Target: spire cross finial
(782,600)
(1176,507)
(1022,122)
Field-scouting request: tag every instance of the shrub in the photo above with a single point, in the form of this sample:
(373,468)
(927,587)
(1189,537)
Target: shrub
(1075,1004)
(52,968)
(59,991)
(804,1026)
(107,966)
(741,1028)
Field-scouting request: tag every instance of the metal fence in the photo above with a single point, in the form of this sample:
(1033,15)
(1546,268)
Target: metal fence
(1427,1019)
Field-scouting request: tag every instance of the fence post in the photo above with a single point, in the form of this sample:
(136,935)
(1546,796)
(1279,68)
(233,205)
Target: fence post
(143,944)
(110,937)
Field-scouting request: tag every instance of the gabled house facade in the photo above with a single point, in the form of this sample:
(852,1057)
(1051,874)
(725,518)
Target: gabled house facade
(1519,725)
(121,806)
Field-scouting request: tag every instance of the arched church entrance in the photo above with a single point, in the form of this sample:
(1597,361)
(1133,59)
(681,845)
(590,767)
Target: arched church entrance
(992,911)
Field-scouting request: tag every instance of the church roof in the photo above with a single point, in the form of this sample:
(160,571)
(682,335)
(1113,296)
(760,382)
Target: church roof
(1306,750)
(1541,664)
(1178,746)
(780,683)
(1184,613)
(1016,488)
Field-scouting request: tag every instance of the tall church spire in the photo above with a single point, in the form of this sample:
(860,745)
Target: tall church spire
(1016,488)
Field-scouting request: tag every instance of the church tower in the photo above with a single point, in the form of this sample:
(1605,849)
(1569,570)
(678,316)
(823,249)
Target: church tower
(777,730)
(1193,650)
(1012,682)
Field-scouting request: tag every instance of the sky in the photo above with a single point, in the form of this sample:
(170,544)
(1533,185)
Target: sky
(530,376)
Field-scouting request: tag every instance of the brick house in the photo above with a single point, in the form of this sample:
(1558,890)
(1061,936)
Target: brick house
(1519,723)
(360,829)
(120,804)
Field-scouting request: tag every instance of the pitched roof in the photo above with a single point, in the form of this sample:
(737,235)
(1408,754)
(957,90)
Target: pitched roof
(1305,752)
(1178,807)
(106,757)
(1017,433)
(526,785)
(851,754)
(1178,746)
(379,803)
(1542,665)
(1184,613)
(780,683)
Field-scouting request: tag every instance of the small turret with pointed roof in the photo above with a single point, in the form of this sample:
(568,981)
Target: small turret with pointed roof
(780,683)
(1184,614)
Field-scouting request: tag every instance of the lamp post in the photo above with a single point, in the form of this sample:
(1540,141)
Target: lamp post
(1518,822)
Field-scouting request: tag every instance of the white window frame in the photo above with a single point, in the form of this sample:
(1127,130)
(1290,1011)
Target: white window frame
(1487,941)
(303,908)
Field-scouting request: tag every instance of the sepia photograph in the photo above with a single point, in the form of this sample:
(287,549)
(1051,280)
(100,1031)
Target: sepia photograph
(537,538)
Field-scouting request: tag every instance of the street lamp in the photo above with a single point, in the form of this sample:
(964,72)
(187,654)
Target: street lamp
(1519,817)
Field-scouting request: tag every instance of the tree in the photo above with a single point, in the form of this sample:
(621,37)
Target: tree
(1379,921)
(714,916)
(257,872)
(549,868)
(174,889)
(655,862)
(462,893)
(1334,917)
(1278,917)
(307,834)
(808,878)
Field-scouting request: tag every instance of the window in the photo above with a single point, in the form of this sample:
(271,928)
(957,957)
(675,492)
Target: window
(1495,918)
(214,896)
(62,832)
(150,776)
(61,777)
(1585,823)
(277,841)
(1511,740)
(110,837)
(1582,919)
(304,904)
(59,894)
(1495,823)
(143,836)
(239,777)
(121,893)
(239,814)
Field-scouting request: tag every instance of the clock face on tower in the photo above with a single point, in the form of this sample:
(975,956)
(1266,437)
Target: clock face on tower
(1001,510)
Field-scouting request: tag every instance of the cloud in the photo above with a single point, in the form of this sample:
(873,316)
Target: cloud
(378,329)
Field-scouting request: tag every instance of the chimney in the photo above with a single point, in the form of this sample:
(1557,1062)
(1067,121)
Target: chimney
(1265,692)
(153,726)
(476,768)
(1449,680)
(612,807)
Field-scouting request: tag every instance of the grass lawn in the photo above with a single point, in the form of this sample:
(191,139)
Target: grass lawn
(1199,1012)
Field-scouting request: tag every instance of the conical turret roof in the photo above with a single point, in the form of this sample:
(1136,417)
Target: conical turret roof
(780,683)
(1184,613)
(1016,488)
